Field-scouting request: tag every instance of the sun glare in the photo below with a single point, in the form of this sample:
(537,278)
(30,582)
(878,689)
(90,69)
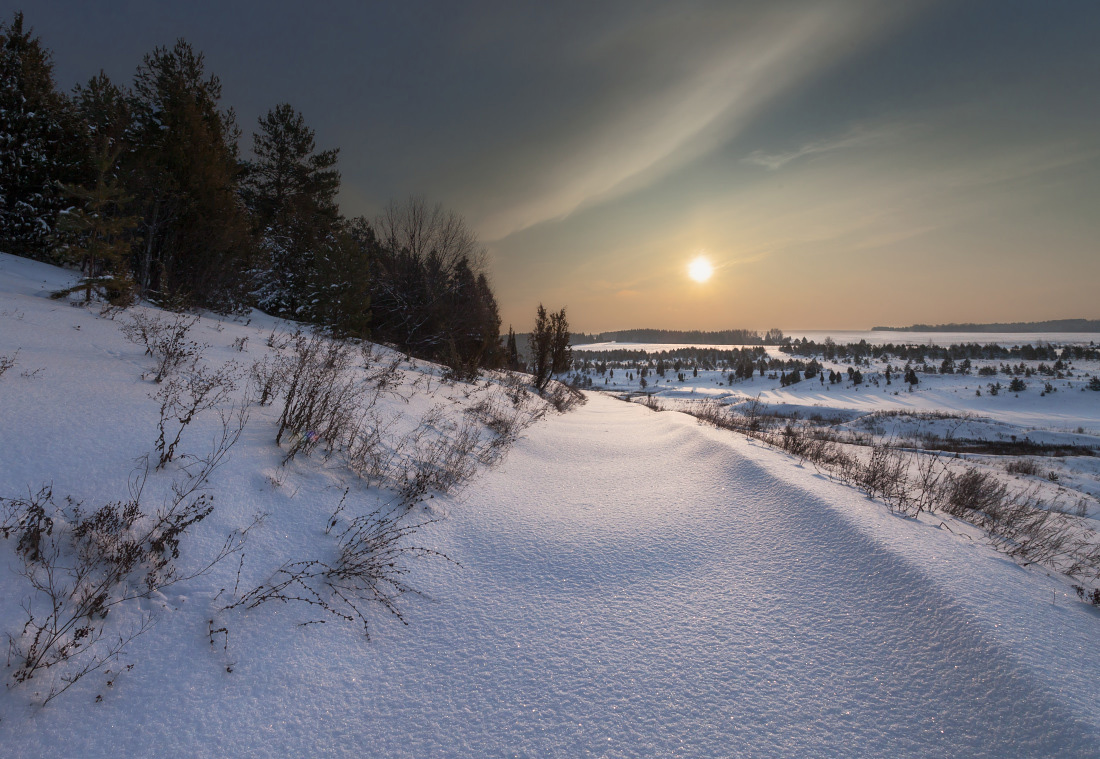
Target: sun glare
(700,269)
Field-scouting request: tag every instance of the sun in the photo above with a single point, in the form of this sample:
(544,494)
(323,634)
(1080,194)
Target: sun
(700,269)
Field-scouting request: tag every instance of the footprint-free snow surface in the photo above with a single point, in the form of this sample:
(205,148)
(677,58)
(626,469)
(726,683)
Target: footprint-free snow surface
(626,583)
(634,584)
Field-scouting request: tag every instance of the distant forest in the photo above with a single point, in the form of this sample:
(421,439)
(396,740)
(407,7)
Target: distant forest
(1054,325)
(721,337)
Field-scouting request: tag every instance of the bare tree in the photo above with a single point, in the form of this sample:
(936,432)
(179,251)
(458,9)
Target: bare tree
(412,227)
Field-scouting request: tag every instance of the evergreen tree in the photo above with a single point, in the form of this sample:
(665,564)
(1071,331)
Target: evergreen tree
(37,145)
(185,170)
(512,350)
(342,279)
(106,116)
(542,348)
(550,346)
(101,235)
(291,190)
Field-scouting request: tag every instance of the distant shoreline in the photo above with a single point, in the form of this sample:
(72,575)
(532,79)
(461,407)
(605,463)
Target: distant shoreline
(1055,325)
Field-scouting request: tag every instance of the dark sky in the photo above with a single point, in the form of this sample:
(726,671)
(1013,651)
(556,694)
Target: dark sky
(841,163)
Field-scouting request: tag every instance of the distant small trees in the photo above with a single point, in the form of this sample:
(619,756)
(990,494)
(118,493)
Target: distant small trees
(512,351)
(550,352)
(774,337)
(790,379)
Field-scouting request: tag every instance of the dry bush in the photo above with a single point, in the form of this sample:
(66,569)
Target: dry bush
(928,485)
(712,412)
(184,397)
(321,395)
(7,362)
(370,566)
(972,490)
(265,377)
(441,462)
(331,399)
(1023,466)
(562,397)
(517,388)
(165,339)
(80,564)
(652,403)
(885,475)
(505,415)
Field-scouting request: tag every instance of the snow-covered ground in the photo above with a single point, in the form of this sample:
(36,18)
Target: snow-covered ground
(623,583)
(955,408)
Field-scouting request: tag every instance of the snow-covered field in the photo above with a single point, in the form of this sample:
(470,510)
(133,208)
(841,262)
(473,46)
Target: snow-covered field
(943,411)
(622,583)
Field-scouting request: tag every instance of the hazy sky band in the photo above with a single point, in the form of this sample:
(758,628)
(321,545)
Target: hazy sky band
(843,164)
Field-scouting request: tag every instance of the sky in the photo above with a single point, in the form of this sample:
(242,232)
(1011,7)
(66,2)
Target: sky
(841,163)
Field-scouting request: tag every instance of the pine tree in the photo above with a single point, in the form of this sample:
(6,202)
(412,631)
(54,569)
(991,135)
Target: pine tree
(542,339)
(512,349)
(106,113)
(342,279)
(37,145)
(101,235)
(563,354)
(291,190)
(185,170)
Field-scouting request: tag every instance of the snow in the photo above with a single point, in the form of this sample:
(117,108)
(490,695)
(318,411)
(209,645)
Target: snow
(623,583)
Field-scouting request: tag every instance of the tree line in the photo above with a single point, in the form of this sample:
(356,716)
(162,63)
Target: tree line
(921,352)
(144,186)
(671,336)
(1052,325)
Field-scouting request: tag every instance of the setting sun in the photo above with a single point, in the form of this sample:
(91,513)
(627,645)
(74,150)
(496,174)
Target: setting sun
(700,269)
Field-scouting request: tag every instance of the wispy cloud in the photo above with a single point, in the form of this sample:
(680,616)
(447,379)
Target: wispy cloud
(853,139)
(736,75)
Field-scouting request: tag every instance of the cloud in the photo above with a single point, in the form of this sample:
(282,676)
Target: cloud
(740,64)
(855,138)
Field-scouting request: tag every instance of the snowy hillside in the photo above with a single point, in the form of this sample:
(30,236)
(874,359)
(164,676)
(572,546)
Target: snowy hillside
(604,582)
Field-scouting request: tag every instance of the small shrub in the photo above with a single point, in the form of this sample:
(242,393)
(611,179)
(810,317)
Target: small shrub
(320,395)
(973,491)
(371,566)
(1088,595)
(7,362)
(1023,466)
(80,564)
(184,397)
(165,339)
(884,475)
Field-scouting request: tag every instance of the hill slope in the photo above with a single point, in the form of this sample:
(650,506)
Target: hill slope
(623,583)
